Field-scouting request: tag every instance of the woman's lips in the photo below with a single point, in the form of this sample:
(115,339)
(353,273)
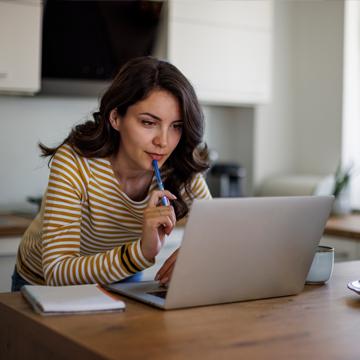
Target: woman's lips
(155,156)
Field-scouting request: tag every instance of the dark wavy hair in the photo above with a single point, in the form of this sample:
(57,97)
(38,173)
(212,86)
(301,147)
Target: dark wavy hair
(134,81)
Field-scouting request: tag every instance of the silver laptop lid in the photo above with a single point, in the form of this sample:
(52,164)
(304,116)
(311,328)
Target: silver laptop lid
(247,248)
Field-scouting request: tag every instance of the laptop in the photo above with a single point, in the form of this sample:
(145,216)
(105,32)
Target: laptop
(237,249)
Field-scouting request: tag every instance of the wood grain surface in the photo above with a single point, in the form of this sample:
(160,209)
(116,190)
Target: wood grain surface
(347,226)
(322,322)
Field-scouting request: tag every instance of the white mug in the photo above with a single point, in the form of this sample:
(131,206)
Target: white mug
(322,265)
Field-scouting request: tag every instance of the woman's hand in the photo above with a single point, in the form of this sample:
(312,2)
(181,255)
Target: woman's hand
(164,274)
(158,222)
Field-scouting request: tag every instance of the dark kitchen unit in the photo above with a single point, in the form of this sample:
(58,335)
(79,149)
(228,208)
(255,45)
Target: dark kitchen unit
(226,180)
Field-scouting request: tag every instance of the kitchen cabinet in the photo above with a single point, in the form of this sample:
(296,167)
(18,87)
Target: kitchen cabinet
(11,229)
(20,46)
(8,250)
(224,47)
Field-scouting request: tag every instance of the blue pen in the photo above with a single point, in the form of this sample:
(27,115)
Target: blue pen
(164,199)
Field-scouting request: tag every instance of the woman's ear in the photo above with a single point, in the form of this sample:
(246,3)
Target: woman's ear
(114,119)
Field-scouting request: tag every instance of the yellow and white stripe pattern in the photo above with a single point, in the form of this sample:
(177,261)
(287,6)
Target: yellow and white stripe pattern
(88,230)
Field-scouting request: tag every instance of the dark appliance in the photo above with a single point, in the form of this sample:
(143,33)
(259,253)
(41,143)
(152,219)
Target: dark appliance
(92,39)
(226,180)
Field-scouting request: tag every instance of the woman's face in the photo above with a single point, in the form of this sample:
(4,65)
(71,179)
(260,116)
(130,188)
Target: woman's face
(150,130)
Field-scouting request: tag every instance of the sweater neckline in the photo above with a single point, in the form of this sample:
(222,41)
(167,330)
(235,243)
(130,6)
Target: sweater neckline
(123,193)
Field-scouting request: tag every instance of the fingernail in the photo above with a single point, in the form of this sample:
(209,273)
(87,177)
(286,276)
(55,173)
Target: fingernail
(164,280)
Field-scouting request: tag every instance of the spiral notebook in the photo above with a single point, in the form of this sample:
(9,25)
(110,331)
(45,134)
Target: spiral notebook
(71,299)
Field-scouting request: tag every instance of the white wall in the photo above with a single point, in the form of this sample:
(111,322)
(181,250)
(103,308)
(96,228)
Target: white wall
(273,136)
(317,84)
(351,96)
(300,131)
(24,121)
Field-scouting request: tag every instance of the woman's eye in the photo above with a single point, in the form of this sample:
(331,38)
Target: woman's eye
(178,126)
(148,122)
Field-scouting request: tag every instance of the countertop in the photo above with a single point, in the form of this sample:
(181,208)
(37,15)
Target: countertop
(347,226)
(13,224)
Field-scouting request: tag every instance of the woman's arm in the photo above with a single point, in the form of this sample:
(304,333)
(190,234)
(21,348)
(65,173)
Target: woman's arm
(199,190)
(61,260)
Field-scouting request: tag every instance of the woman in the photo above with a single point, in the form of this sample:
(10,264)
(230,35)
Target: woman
(100,221)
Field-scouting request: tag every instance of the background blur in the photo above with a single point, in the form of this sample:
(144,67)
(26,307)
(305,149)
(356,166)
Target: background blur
(278,82)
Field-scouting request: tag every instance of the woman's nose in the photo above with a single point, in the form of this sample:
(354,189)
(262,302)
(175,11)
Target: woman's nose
(161,139)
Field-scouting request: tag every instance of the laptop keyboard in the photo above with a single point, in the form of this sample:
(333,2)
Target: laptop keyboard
(158,293)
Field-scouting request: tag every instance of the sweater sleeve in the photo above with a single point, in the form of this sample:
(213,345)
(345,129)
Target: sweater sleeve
(61,259)
(199,188)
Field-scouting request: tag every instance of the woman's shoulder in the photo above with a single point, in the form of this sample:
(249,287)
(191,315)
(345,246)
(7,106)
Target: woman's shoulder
(67,154)
(73,168)
(67,157)
(66,150)
(199,188)
(198,179)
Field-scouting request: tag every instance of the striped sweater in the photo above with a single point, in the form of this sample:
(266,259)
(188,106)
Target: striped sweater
(88,230)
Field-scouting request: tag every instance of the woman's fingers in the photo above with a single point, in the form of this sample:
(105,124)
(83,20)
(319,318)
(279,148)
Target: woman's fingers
(158,221)
(164,274)
(157,216)
(167,276)
(153,212)
(164,269)
(162,221)
(153,235)
(156,196)
(161,215)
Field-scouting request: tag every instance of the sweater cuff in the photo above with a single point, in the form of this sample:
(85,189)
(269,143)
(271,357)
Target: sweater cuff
(138,257)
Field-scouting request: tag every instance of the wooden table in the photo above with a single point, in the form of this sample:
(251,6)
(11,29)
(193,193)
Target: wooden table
(322,322)
(347,226)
